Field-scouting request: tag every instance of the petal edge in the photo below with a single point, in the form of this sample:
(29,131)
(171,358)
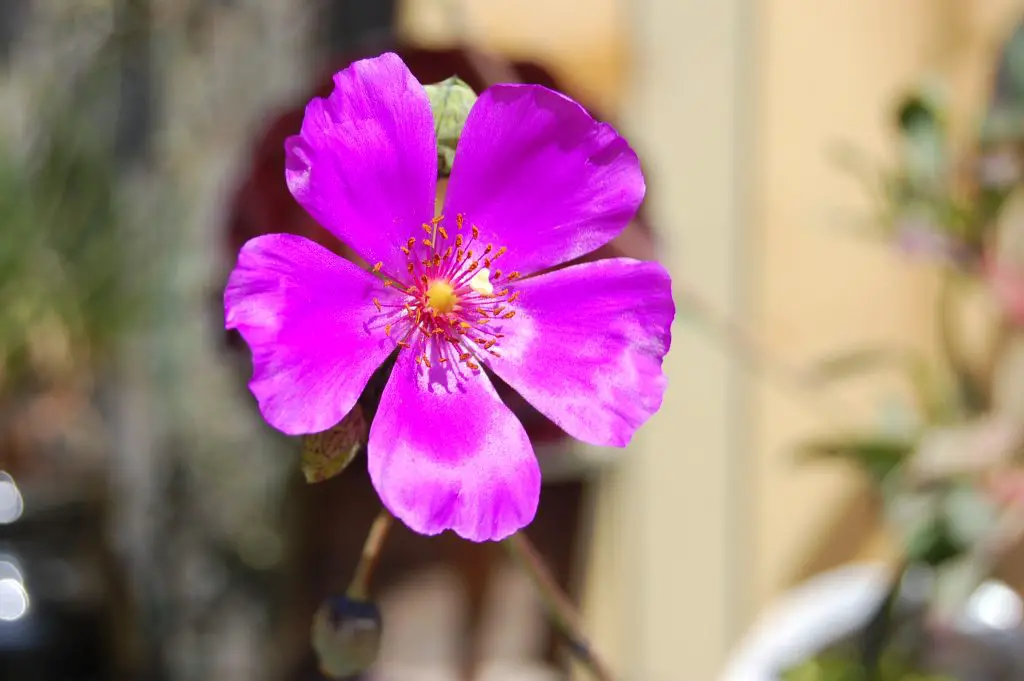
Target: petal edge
(539,175)
(305,314)
(445,453)
(587,344)
(365,162)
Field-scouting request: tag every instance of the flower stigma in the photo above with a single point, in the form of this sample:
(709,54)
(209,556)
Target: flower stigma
(441,297)
(455,301)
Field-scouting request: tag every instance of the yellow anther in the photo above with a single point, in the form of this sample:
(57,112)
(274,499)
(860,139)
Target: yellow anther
(376,268)
(376,304)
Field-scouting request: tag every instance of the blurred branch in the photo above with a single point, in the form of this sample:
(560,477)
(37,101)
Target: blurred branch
(359,588)
(751,351)
(561,611)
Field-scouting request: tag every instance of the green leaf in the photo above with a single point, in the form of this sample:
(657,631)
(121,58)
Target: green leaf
(921,121)
(450,102)
(877,455)
(327,454)
(934,542)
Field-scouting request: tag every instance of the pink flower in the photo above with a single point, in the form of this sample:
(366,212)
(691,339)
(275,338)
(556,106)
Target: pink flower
(536,182)
(1006,283)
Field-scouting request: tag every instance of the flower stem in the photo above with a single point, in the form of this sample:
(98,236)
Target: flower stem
(359,588)
(561,611)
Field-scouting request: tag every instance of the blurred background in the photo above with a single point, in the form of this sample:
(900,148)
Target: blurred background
(831,485)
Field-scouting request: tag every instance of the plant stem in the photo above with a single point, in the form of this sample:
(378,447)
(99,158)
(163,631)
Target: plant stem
(359,588)
(561,611)
(879,629)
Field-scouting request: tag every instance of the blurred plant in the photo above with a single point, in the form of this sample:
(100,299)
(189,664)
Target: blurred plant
(67,294)
(942,476)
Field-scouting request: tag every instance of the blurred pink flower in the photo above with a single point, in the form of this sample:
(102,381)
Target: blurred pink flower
(1006,283)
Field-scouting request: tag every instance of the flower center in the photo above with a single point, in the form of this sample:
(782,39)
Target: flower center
(456,301)
(441,297)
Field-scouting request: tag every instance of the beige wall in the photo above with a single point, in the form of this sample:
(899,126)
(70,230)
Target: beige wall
(583,41)
(735,105)
(825,76)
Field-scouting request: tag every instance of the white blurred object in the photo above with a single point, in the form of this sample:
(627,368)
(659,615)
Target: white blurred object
(11,503)
(13,600)
(835,604)
(993,605)
(807,619)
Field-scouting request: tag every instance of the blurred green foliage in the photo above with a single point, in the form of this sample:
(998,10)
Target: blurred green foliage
(844,667)
(71,281)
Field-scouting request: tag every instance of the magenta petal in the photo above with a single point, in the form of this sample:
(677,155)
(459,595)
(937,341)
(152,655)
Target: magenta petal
(306,314)
(446,453)
(586,346)
(365,162)
(538,175)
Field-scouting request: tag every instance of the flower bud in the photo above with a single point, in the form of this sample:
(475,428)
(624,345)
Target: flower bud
(346,636)
(450,101)
(326,454)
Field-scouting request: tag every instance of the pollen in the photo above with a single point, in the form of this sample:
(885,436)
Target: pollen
(481,282)
(441,297)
